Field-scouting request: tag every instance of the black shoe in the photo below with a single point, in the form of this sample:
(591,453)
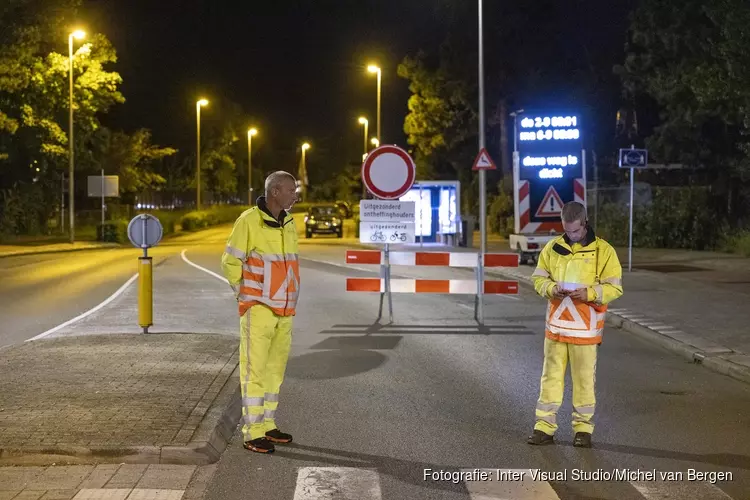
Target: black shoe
(539,437)
(259,445)
(582,440)
(276,436)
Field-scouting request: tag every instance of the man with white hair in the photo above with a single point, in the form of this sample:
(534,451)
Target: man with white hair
(261,263)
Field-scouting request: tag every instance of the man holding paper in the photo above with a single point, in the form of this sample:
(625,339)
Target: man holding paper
(579,274)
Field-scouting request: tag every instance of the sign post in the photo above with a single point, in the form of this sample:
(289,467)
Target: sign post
(388,172)
(145,231)
(100,186)
(632,158)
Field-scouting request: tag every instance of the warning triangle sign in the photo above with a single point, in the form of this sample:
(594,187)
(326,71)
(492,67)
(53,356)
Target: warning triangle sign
(551,205)
(483,161)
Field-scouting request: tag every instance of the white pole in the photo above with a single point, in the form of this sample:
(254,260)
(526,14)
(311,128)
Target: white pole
(482,177)
(630,237)
(102,202)
(71,166)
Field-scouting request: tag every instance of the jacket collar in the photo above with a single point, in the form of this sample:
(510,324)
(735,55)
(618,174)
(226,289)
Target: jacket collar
(586,241)
(268,218)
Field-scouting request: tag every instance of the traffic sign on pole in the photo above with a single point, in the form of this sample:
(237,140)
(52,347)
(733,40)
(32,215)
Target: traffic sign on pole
(484,161)
(388,172)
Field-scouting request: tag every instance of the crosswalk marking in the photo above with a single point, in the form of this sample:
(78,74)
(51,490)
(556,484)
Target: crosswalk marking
(504,484)
(341,483)
(350,483)
(678,490)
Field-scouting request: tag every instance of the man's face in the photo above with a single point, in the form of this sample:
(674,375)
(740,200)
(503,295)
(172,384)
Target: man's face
(575,230)
(286,194)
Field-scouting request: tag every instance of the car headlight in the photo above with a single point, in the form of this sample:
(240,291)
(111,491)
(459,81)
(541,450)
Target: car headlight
(335,222)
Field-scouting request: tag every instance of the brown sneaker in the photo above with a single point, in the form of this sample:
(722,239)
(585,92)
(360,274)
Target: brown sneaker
(259,445)
(276,436)
(538,438)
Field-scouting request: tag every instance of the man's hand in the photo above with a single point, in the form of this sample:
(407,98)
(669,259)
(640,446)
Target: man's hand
(581,294)
(558,293)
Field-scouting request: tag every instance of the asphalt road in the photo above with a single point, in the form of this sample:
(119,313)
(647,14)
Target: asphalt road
(372,407)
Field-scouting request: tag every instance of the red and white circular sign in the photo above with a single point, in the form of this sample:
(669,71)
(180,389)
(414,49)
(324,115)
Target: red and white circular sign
(388,172)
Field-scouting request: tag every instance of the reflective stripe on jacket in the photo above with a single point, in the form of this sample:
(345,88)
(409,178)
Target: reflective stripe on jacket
(591,264)
(261,261)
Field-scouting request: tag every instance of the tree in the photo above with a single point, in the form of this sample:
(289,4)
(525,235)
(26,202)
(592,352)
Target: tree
(131,157)
(689,59)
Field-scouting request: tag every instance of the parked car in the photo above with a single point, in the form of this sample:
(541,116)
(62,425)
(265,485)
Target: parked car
(324,219)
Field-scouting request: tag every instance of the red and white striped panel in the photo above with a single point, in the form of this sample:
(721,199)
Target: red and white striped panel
(430,286)
(524,209)
(579,191)
(449,259)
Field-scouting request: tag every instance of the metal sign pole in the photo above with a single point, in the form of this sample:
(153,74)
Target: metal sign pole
(388,282)
(482,175)
(102,200)
(630,236)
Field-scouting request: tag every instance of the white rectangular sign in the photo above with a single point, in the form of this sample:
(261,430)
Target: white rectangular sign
(386,211)
(111,186)
(394,233)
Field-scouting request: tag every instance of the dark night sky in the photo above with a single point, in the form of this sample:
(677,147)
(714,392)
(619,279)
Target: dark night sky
(298,67)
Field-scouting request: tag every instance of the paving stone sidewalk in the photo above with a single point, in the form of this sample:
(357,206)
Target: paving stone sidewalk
(161,398)
(105,482)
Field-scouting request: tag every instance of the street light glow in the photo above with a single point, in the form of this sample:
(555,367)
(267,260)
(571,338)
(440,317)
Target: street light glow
(373,69)
(78,34)
(375,142)
(362,120)
(252,132)
(305,147)
(203,102)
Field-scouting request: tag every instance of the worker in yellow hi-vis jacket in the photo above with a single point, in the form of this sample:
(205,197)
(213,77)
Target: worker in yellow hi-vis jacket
(580,274)
(261,263)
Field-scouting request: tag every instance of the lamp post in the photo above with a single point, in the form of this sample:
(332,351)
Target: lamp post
(363,121)
(375,142)
(198,106)
(78,34)
(303,171)
(482,174)
(250,134)
(375,69)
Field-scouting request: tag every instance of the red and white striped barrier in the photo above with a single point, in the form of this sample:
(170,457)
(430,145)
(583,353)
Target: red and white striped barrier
(444,259)
(430,286)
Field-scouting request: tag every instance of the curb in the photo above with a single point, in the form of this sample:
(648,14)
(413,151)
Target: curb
(696,349)
(205,447)
(60,250)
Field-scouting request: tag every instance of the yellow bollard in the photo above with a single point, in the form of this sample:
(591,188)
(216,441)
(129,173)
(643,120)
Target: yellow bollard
(145,293)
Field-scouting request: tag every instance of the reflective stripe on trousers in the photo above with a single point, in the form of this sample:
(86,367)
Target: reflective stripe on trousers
(265,341)
(583,373)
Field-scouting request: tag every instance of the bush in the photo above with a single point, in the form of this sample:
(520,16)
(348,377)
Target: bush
(677,218)
(500,213)
(200,219)
(114,231)
(738,243)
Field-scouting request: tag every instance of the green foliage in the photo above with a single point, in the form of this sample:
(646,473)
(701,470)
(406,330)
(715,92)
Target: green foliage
(200,219)
(21,210)
(677,218)
(738,243)
(500,213)
(115,231)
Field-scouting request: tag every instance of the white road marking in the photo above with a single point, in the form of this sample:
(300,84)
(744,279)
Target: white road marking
(340,483)
(187,261)
(89,312)
(504,484)
(679,490)
(128,494)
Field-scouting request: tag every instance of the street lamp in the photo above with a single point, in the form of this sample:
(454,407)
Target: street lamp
(198,106)
(375,142)
(250,134)
(375,69)
(78,34)
(303,171)
(363,121)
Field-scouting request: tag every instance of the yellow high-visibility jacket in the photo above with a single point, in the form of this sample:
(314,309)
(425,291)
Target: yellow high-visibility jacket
(591,264)
(261,260)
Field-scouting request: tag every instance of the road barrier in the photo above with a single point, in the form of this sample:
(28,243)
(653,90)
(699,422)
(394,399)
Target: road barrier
(386,286)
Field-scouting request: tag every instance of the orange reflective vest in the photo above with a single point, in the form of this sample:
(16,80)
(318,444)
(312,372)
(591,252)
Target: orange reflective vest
(261,261)
(591,264)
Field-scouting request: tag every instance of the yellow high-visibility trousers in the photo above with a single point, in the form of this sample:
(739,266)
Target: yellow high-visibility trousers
(582,372)
(265,341)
